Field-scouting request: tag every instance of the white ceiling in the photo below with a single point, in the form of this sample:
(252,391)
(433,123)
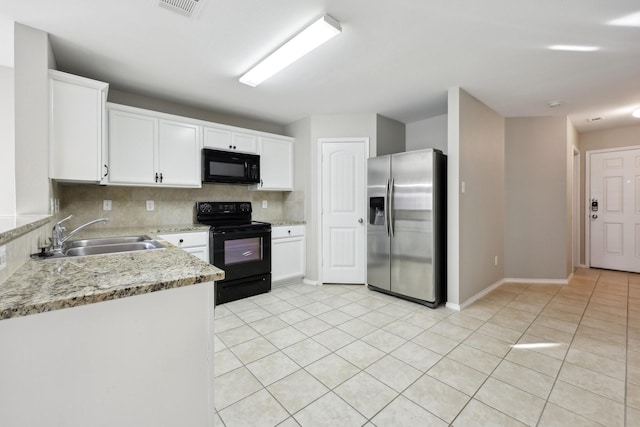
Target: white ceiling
(396,58)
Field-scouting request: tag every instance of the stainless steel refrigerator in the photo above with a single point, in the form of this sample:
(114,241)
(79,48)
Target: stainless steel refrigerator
(406,231)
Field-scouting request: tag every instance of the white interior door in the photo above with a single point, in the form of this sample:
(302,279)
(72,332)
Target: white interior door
(614,210)
(343,202)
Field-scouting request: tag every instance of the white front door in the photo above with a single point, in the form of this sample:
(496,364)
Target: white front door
(614,210)
(343,202)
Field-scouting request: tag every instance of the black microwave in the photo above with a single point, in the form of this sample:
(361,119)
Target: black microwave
(230,167)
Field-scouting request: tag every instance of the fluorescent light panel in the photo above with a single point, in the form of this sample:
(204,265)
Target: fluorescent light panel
(574,48)
(304,42)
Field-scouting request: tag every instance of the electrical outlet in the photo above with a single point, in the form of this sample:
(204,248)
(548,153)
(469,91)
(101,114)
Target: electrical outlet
(463,187)
(151,205)
(3,257)
(495,260)
(56,205)
(264,204)
(106,205)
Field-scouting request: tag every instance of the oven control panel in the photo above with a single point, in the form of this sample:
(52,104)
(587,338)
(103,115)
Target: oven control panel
(222,210)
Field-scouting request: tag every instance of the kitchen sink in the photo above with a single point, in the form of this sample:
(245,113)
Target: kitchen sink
(112,248)
(105,245)
(106,241)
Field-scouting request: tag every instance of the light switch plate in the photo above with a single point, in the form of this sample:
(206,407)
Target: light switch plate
(150,205)
(106,205)
(3,257)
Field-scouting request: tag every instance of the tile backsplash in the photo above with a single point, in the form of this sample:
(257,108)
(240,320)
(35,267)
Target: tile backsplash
(172,205)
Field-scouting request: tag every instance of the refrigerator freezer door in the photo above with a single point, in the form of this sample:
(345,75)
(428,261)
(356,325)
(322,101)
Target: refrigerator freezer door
(412,245)
(378,245)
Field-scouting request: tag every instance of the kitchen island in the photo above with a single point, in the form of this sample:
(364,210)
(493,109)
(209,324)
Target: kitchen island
(104,340)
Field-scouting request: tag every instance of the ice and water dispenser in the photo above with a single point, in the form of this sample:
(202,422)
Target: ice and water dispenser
(376,210)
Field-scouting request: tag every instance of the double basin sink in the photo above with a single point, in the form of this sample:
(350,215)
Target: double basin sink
(108,245)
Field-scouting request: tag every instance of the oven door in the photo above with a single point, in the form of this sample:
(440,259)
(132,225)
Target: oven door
(241,253)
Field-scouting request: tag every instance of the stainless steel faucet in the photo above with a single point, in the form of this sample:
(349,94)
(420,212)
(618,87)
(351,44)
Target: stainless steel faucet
(57,234)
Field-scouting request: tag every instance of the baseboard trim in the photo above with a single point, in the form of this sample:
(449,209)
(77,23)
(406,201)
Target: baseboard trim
(539,281)
(453,306)
(485,291)
(475,297)
(310,282)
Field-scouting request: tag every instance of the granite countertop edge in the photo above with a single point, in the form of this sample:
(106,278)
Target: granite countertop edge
(41,286)
(31,222)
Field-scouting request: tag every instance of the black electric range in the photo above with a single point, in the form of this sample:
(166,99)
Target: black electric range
(239,246)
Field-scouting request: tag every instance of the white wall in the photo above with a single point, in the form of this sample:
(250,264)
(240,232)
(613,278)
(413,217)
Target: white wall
(307,132)
(391,136)
(428,133)
(536,227)
(33,58)
(7,143)
(157,104)
(476,217)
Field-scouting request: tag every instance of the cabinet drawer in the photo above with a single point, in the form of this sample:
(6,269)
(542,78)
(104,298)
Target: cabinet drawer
(287,231)
(187,240)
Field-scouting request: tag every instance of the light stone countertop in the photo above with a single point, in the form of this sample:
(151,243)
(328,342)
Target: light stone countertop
(14,226)
(285,222)
(52,284)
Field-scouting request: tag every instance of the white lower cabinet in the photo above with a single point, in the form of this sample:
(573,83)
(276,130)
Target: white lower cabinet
(194,242)
(287,253)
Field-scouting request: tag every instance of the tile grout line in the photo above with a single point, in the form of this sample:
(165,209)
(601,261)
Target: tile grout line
(557,377)
(503,359)
(291,415)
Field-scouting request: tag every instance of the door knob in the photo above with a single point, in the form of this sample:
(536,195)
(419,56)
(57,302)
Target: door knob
(594,216)
(360,220)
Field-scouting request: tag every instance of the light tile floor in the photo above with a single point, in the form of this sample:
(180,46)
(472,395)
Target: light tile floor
(339,355)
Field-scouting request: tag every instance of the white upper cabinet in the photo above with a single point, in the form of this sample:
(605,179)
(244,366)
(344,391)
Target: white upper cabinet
(179,153)
(132,146)
(223,139)
(145,149)
(276,164)
(76,127)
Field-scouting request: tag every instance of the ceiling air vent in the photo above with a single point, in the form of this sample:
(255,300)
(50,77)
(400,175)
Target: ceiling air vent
(184,7)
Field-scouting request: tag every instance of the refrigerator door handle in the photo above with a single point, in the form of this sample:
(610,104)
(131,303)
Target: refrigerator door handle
(390,210)
(386,209)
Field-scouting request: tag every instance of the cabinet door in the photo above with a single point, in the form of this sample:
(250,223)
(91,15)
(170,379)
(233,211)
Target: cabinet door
(201,252)
(179,154)
(221,139)
(245,142)
(287,258)
(132,141)
(276,164)
(218,139)
(75,130)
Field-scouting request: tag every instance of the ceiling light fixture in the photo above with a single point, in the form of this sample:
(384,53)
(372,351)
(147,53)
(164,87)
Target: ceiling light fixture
(631,20)
(574,48)
(555,103)
(636,113)
(304,42)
